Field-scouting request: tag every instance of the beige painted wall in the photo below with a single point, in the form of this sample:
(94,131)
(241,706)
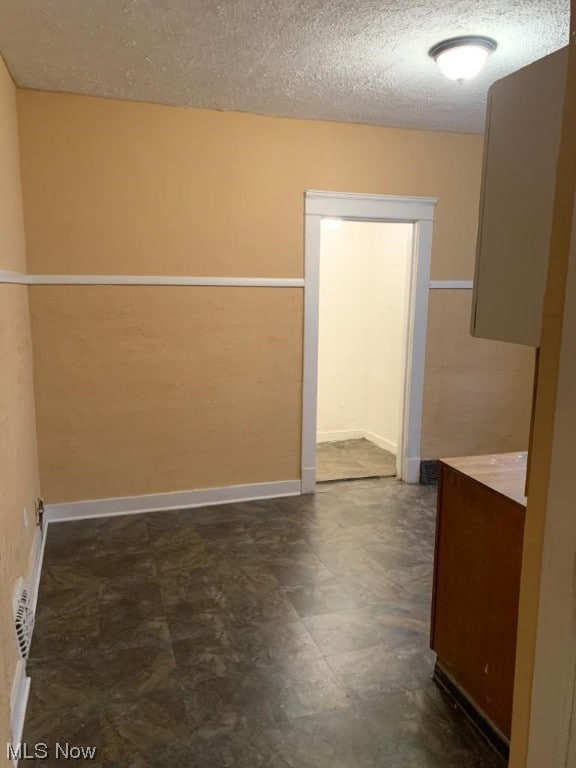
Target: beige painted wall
(364,272)
(525,710)
(124,187)
(388,330)
(478,393)
(132,188)
(152,389)
(343,312)
(18,455)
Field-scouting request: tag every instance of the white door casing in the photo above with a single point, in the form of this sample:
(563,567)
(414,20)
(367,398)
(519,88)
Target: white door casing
(418,211)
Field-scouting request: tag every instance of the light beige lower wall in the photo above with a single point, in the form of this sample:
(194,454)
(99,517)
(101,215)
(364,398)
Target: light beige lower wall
(478,393)
(152,389)
(18,473)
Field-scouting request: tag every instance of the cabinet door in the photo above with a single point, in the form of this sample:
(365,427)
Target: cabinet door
(520,155)
(477,567)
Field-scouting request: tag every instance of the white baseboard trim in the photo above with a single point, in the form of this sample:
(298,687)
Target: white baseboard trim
(18,703)
(308,479)
(412,471)
(35,567)
(339,434)
(381,442)
(202,497)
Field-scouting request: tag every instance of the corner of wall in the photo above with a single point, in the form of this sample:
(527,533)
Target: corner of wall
(19,478)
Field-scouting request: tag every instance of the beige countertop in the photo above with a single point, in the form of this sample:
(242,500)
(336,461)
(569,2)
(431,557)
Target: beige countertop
(503,472)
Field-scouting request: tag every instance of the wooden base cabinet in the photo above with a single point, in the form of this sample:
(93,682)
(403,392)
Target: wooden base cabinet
(479,534)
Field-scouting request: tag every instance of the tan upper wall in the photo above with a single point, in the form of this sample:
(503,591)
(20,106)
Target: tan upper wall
(125,187)
(18,454)
(12,249)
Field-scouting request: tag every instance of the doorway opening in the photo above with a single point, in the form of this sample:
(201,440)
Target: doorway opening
(362,338)
(416,214)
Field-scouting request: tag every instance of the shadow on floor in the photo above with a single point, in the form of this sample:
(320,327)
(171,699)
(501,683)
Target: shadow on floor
(282,633)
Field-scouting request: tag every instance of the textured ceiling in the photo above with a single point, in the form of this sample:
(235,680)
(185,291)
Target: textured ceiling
(349,60)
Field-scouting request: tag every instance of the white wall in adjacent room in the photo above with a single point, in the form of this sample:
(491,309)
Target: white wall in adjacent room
(364,273)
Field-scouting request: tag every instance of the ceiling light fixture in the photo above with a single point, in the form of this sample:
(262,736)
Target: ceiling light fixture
(462,58)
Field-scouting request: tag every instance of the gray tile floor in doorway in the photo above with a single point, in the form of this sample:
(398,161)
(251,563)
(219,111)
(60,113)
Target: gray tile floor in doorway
(288,633)
(353,459)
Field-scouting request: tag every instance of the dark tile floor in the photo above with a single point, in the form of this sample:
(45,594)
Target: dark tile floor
(289,633)
(353,459)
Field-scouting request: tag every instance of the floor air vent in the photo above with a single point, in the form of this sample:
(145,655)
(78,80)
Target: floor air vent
(24,622)
(428,472)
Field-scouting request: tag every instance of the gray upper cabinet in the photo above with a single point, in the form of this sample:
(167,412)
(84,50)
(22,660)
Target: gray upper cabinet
(521,147)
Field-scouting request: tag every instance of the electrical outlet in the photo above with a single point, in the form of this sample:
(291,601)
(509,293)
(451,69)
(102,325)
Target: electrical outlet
(25,516)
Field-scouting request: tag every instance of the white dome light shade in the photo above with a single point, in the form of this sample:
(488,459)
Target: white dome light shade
(462,63)
(332,223)
(462,58)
